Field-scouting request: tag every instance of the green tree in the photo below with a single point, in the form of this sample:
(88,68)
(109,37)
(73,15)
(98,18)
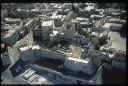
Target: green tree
(98,47)
(103,39)
(61,67)
(56,41)
(87,34)
(83,5)
(54,49)
(81,31)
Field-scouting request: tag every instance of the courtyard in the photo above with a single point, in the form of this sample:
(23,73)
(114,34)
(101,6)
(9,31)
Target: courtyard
(118,40)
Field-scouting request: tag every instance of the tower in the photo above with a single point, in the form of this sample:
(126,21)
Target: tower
(30,39)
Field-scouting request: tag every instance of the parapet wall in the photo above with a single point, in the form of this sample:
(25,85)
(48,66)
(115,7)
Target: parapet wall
(98,76)
(119,64)
(75,65)
(107,66)
(97,59)
(54,55)
(64,79)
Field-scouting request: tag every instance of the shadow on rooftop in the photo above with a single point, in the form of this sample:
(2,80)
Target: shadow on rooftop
(123,35)
(15,66)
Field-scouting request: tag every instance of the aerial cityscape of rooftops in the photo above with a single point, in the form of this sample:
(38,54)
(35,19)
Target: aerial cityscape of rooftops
(63,43)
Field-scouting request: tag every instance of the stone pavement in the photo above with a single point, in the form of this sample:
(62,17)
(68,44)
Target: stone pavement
(118,41)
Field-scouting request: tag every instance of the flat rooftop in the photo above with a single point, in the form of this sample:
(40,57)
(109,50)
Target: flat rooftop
(105,32)
(12,27)
(95,33)
(55,15)
(88,8)
(118,40)
(107,25)
(10,33)
(115,24)
(47,23)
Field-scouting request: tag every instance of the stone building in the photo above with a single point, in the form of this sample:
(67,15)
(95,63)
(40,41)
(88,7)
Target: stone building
(30,39)
(119,59)
(69,16)
(13,21)
(96,17)
(37,31)
(42,6)
(47,26)
(115,26)
(32,52)
(76,6)
(57,17)
(11,37)
(29,25)
(89,10)
(97,25)
(115,20)
(67,6)
(5,58)
(4,13)
(86,61)
(36,12)
(69,31)
(24,13)
(106,27)
(53,35)
(19,28)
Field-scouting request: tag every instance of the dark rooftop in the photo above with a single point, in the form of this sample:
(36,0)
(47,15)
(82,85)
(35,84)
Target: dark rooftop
(121,54)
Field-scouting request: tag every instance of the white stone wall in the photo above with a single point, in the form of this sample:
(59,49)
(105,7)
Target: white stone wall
(68,33)
(75,65)
(53,55)
(30,39)
(29,54)
(98,76)
(29,25)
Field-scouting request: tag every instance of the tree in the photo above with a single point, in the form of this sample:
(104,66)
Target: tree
(103,39)
(98,47)
(54,49)
(56,41)
(61,67)
(83,5)
(81,31)
(87,34)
